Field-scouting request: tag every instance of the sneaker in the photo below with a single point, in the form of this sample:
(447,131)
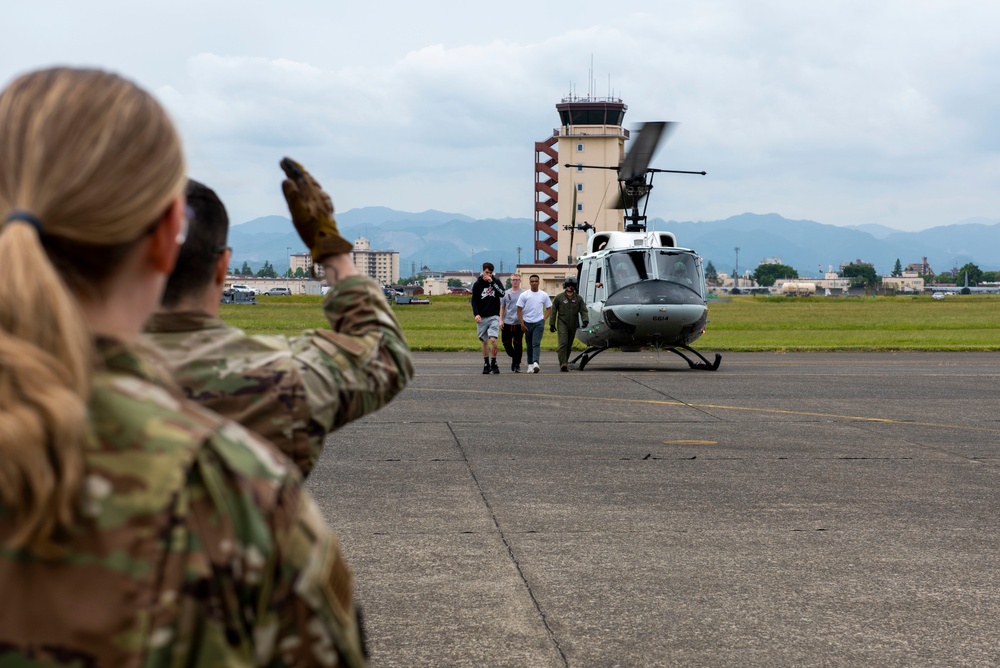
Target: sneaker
(486,368)
(517,368)
(513,366)
(564,368)
(493,366)
(534,367)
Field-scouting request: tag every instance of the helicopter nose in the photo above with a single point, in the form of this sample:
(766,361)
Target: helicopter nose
(654,292)
(658,310)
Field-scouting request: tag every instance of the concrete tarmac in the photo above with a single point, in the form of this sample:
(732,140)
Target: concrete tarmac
(818,509)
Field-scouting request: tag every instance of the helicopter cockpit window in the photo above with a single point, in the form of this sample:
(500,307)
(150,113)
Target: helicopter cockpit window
(627,268)
(681,268)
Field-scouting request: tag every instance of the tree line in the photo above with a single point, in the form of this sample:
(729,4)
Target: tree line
(267,271)
(862,274)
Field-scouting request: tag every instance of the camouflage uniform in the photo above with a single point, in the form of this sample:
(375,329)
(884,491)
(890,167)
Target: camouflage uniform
(196,545)
(293,392)
(564,317)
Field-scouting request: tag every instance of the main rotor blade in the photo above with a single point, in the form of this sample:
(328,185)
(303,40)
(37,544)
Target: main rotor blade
(641,153)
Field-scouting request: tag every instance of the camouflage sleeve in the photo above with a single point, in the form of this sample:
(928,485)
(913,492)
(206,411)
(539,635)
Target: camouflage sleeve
(314,588)
(358,365)
(197,546)
(260,575)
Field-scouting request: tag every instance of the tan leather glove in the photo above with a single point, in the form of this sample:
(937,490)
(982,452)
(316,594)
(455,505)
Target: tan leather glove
(312,212)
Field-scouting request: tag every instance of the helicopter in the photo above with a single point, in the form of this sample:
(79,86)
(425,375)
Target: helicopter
(641,288)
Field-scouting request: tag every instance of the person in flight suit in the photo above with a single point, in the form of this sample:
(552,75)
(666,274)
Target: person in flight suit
(568,311)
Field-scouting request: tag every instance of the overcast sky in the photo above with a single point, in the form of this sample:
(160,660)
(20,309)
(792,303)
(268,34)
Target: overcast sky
(844,112)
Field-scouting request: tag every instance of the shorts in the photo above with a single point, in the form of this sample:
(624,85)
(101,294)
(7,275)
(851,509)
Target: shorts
(489,327)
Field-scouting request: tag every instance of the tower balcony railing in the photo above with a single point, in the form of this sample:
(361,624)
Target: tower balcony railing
(591,98)
(598,131)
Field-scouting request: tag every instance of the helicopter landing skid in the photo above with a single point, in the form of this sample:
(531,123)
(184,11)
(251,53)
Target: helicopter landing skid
(587,355)
(703,365)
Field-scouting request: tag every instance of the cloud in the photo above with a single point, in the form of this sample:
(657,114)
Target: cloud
(844,112)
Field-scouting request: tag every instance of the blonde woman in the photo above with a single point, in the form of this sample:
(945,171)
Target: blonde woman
(135,528)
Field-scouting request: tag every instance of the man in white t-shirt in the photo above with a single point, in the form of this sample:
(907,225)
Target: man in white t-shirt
(533,307)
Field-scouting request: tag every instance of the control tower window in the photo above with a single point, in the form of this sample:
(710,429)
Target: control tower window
(579,148)
(579,187)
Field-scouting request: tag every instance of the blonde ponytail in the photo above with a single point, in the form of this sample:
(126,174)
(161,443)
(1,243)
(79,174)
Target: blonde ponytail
(44,381)
(93,159)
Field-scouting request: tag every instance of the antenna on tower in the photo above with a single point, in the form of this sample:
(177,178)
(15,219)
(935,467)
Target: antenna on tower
(593,82)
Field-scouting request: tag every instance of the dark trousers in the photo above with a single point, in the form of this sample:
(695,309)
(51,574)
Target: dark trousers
(533,340)
(511,336)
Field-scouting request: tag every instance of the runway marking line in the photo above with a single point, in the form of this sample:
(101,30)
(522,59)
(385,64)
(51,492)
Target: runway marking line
(749,409)
(694,442)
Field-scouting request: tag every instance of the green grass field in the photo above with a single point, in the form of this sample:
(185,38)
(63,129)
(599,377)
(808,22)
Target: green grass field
(743,323)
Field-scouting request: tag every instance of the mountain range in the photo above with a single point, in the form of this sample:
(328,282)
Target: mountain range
(450,241)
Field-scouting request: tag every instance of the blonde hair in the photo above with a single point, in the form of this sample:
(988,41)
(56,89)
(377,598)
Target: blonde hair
(96,161)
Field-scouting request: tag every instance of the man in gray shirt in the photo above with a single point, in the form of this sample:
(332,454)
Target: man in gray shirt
(511,333)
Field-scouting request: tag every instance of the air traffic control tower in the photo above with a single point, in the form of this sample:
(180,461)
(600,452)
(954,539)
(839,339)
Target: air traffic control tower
(590,133)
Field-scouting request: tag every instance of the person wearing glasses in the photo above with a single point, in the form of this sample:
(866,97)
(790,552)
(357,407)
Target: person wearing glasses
(511,333)
(292,391)
(568,312)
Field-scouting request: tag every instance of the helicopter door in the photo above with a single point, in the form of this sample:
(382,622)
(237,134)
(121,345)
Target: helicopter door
(586,281)
(600,290)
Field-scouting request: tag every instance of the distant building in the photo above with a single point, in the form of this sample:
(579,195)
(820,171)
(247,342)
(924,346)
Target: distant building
(381,265)
(301,261)
(771,260)
(834,282)
(910,281)
(590,132)
(921,268)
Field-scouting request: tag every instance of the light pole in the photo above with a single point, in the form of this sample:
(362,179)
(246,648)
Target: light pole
(736,272)
(288,253)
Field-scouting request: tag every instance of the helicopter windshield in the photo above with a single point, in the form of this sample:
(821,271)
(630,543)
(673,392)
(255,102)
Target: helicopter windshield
(627,268)
(682,268)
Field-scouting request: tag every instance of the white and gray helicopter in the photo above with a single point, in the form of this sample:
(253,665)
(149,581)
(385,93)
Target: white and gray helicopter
(641,288)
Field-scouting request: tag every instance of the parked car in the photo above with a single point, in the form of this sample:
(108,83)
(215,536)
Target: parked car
(275,292)
(231,296)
